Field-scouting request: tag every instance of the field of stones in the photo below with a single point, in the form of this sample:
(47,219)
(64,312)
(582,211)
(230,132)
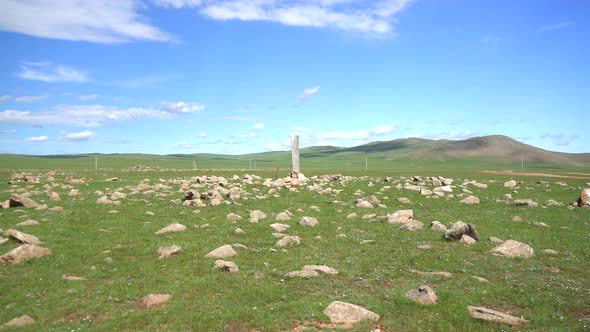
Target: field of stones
(180,250)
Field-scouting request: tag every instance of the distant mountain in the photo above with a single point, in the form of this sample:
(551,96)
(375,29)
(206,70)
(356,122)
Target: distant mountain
(496,147)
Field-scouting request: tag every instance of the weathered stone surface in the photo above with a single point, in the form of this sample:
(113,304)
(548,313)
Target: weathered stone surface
(466,239)
(238,230)
(54,196)
(279,227)
(230,267)
(29,222)
(516,219)
(412,225)
(288,241)
(308,221)
(496,240)
(106,201)
(222,252)
(313,271)
(346,313)
(525,202)
(481,279)
(72,278)
(364,204)
(283,216)
(172,228)
(435,273)
(438,226)
(470,200)
(23,253)
(511,248)
(494,316)
(152,300)
(584,200)
(164,252)
(256,216)
(233,217)
(17,200)
(19,321)
(552,202)
(423,295)
(550,252)
(3,240)
(400,216)
(510,184)
(459,228)
(22,237)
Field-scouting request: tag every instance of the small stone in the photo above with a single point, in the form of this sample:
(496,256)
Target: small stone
(466,239)
(550,252)
(494,316)
(279,227)
(54,196)
(404,200)
(510,184)
(364,204)
(438,226)
(423,295)
(172,228)
(496,240)
(22,237)
(425,247)
(149,213)
(23,253)
(256,216)
(233,217)
(222,252)
(412,225)
(346,313)
(351,216)
(312,271)
(511,248)
(470,200)
(152,300)
(164,252)
(238,230)
(288,241)
(19,321)
(525,202)
(72,278)
(308,221)
(516,219)
(230,267)
(436,273)
(480,279)
(283,216)
(29,222)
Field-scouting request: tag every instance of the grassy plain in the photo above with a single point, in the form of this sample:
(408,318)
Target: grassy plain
(551,291)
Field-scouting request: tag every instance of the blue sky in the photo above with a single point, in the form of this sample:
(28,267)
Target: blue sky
(235,76)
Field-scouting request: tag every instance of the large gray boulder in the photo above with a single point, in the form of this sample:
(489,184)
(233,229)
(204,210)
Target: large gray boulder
(23,253)
(346,313)
(512,248)
(458,229)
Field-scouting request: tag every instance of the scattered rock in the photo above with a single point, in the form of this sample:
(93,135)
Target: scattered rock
(19,321)
(72,278)
(466,239)
(256,216)
(510,184)
(400,216)
(412,225)
(29,222)
(584,199)
(424,247)
(494,316)
(279,227)
(283,216)
(481,279)
(17,200)
(164,252)
(423,295)
(313,271)
(230,267)
(152,300)
(496,240)
(404,200)
(525,202)
(22,237)
(470,200)
(458,229)
(364,204)
(308,221)
(550,252)
(150,213)
(438,226)
(233,217)
(238,230)
(516,219)
(23,253)
(346,313)
(511,248)
(222,252)
(552,202)
(436,273)
(172,228)
(54,196)
(288,241)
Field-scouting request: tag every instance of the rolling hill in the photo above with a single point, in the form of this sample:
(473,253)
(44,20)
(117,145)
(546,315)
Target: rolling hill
(487,152)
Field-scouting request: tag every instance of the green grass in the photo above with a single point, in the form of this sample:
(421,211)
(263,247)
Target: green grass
(374,275)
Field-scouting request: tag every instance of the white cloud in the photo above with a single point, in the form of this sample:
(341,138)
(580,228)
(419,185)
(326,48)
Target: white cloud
(452,135)
(202,134)
(361,134)
(5,98)
(308,93)
(78,137)
(7,132)
(30,99)
(46,72)
(258,126)
(560,139)
(79,115)
(252,135)
(181,107)
(37,139)
(185,145)
(178,3)
(556,26)
(88,97)
(102,21)
(365,16)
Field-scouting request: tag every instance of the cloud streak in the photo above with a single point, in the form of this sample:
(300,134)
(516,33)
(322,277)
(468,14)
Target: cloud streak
(308,93)
(50,73)
(100,21)
(78,137)
(37,139)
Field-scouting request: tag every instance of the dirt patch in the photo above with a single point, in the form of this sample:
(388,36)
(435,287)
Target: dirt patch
(546,175)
